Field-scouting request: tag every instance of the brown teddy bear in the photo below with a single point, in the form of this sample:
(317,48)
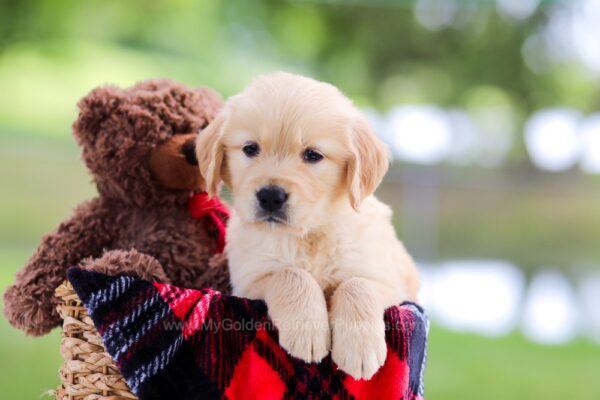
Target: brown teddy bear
(139,146)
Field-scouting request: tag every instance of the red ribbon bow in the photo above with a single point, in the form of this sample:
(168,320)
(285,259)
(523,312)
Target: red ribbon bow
(202,205)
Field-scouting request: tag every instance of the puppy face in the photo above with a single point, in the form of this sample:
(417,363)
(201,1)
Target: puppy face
(291,150)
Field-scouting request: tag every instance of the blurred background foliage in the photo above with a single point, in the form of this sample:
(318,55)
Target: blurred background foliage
(376,51)
(496,62)
(52,53)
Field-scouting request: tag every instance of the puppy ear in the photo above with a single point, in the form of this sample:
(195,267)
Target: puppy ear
(210,153)
(368,163)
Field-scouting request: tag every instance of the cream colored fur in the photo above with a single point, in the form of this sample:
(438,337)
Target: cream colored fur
(331,270)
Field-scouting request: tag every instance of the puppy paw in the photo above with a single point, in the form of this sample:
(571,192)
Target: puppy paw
(298,309)
(306,337)
(359,347)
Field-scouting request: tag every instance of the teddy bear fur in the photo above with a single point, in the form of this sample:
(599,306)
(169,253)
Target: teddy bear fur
(134,144)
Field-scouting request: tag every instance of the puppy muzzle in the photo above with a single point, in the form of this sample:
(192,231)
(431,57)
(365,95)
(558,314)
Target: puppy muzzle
(272,204)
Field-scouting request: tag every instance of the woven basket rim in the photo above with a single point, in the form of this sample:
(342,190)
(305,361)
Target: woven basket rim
(88,372)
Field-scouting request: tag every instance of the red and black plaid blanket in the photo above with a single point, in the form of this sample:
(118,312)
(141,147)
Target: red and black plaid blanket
(174,343)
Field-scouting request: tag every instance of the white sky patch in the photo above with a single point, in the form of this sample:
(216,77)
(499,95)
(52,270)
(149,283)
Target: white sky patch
(517,9)
(426,276)
(589,293)
(550,310)
(378,124)
(466,139)
(420,134)
(585,32)
(553,140)
(590,136)
(537,53)
(475,296)
(496,126)
(573,31)
(436,14)
(557,33)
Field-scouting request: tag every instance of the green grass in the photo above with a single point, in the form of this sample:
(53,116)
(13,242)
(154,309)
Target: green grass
(29,366)
(42,179)
(470,367)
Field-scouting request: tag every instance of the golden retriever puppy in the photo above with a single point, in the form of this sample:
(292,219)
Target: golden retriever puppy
(306,235)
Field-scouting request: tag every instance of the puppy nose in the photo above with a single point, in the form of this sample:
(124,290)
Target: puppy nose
(271,198)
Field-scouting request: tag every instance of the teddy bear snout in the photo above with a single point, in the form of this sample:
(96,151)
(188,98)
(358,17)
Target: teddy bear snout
(188,148)
(173,163)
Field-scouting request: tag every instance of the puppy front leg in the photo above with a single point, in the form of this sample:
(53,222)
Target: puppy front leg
(358,329)
(298,309)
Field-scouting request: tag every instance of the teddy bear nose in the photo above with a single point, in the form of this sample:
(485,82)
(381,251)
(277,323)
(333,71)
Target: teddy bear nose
(271,198)
(188,148)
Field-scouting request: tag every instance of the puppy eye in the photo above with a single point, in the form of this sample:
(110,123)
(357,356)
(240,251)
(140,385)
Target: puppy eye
(251,149)
(312,156)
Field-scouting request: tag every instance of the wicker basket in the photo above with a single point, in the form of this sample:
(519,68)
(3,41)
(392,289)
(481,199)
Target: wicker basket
(88,372)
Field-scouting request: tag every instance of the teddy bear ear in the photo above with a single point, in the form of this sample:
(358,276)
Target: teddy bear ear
(208,104)
(94,109)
